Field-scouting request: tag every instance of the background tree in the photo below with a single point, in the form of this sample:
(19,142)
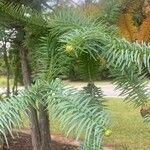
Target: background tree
(132,18)
(6,38)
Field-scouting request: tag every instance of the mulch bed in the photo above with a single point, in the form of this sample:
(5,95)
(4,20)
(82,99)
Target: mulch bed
(23,142)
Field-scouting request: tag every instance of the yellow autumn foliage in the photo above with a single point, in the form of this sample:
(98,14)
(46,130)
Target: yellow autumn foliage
(143,34)
(126,27)
(129,31)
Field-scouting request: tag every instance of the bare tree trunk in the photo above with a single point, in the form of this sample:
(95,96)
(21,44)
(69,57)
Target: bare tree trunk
(7,69)
(35,132)
(44,127)
(15,84)
(1,142)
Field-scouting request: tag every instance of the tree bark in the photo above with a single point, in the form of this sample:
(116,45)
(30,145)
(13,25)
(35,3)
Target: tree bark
(44,127)
(35,132)
(7,69)
(16,76)
(1,142)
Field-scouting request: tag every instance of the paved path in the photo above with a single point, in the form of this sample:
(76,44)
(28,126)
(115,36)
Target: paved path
(107,87)
(109,90)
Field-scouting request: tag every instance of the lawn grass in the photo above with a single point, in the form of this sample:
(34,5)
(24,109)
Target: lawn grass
(3,81)
(129,131)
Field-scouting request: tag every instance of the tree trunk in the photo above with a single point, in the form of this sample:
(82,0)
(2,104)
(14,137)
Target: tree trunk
(44,128)
(15,84)
(35,132)
(7,69)
(43,114)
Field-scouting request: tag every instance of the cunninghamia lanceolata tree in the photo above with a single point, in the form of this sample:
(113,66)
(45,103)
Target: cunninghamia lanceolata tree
(69,31)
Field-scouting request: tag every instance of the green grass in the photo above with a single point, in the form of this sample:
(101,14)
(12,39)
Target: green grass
(129,131)
(3,81)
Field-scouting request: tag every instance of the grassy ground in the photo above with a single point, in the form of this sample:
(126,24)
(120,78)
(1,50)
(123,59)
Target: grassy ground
(3,81)
(129,131)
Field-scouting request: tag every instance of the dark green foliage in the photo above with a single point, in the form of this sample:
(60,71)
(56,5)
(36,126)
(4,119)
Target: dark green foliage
(88,67)
(19,15)
(96,94)
(93,91)
(111,11)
